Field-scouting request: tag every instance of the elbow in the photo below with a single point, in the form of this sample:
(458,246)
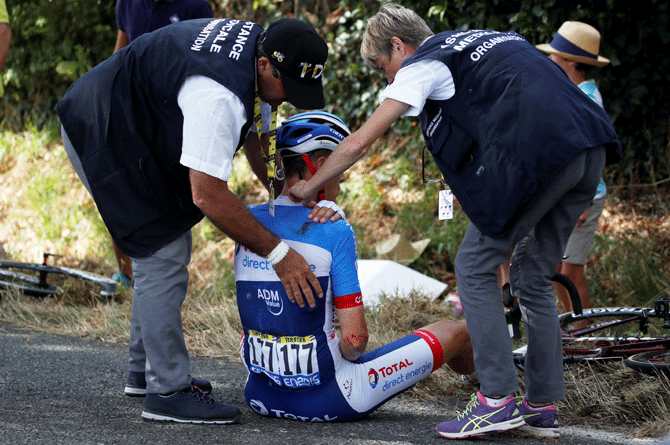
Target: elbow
(199,200)
(358,341)
(360,344)
(353,346)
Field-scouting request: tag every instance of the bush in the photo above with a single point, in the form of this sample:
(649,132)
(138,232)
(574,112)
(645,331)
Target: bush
(56,41)
(53,43)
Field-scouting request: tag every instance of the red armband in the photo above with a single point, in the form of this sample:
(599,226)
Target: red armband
(348,301)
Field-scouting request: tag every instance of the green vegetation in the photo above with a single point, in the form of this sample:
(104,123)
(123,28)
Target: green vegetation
(56,41)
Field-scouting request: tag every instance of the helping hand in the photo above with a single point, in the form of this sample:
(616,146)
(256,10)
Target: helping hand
(300,193)
(296,276)
(326,210)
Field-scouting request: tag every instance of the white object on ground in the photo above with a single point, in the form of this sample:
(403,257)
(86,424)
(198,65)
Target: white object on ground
(385,277)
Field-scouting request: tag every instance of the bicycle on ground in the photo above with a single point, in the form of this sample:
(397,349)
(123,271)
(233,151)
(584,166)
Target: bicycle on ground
(638,336)
(45,280)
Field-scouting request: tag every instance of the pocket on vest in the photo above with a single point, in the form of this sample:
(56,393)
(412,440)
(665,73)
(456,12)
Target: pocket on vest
(491,189)
(133,197)
(451,144)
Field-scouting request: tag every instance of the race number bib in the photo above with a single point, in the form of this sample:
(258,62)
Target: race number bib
(288,361)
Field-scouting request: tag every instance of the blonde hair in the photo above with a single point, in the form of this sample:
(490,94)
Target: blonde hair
(392,20)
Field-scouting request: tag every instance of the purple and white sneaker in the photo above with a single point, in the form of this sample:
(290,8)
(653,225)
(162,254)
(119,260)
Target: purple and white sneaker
(541,422)
(478,418)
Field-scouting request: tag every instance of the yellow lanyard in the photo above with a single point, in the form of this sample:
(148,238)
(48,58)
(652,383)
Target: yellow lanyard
(270,158)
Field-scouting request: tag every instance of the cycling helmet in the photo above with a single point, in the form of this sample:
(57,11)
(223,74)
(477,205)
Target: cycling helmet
(313,130)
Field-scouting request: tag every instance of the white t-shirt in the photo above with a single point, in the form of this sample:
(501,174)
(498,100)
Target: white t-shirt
(213,117)
(415,83)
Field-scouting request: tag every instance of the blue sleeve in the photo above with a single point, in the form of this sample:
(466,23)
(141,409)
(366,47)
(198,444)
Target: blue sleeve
(344,273)
(120,15)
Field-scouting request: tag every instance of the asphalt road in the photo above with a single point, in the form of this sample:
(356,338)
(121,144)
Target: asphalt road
(68,390)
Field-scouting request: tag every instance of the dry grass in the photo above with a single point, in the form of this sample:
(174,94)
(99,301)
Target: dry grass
(596,394)
(614,394)
(105,320)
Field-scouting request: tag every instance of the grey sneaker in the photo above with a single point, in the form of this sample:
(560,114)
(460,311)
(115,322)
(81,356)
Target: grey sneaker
(540,422)
(189,406)
(136,385)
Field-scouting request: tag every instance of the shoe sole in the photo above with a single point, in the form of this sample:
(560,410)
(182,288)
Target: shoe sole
(496,428)
(133,391)
(546,433)
(147,415)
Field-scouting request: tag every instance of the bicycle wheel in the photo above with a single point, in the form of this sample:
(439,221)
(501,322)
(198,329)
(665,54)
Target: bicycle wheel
(620,322)
(572,291)
(650,362)
(40,280)
(26,284)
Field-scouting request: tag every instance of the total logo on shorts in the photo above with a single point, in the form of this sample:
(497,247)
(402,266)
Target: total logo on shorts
(373,378)
(259,407)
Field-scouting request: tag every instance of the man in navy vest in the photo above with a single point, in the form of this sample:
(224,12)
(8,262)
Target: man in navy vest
(152,132)
(523,150)
(134,18)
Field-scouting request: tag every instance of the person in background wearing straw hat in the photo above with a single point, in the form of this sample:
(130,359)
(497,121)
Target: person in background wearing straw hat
(152,132)
(298,367)
(522,149)
(575,48)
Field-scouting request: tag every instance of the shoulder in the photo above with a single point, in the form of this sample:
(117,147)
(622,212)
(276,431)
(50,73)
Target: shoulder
(201,6)
(435,67)
(338,232)
(258,208)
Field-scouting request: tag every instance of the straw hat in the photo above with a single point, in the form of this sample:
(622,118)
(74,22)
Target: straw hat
(576,41)
(397,248)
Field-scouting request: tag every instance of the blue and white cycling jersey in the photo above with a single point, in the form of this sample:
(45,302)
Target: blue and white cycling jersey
(291,345)
(296,369)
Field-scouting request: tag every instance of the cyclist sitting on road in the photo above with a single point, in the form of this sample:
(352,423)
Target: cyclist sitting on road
(298,367)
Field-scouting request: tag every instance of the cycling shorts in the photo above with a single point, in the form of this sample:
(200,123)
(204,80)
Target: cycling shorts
(358,388)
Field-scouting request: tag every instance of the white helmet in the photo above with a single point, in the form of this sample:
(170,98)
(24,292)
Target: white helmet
(313,130)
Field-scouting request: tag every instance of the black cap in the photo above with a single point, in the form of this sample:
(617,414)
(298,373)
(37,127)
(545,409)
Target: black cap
(299,53)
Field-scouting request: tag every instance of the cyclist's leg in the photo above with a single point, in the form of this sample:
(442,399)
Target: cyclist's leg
(321,403)
(161,280)
(456,345)
(534,262)
(391,369)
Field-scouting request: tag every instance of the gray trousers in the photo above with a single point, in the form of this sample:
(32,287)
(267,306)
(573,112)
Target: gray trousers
(539,238)
(157,345)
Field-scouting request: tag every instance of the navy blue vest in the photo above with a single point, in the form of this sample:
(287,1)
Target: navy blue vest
(123,120)
(516,119)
